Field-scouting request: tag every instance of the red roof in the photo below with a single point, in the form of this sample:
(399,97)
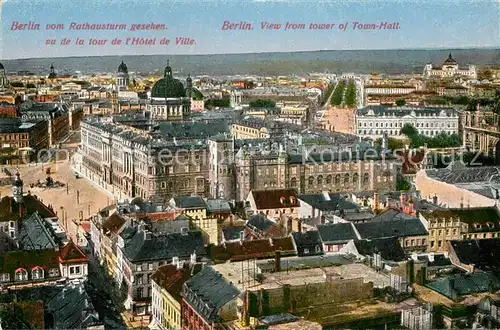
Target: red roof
(86,227)
(255,249)
(72,254)
(171,279)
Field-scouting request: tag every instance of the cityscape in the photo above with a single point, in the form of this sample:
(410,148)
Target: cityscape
(244,179)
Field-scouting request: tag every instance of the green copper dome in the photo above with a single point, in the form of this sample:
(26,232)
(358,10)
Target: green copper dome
(168,86)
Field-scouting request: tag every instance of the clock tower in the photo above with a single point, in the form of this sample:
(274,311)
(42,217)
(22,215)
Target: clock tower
(17,188)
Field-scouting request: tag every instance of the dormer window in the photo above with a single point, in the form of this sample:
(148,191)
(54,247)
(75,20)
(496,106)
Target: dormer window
(21,274)
(477,225)
(491,225)
(5,277)
(37,273)
(54,272)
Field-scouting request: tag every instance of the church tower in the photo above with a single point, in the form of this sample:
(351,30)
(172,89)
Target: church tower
(189,86)
(17,188)
(3,78)
(123,77)
(52,75)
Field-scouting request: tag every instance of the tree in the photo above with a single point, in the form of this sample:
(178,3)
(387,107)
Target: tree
(350,95)
(400,102)
(402,183)
(338,94)
(260,103)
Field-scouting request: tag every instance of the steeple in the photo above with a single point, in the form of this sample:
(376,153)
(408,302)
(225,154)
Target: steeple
(189,85)
(17,188)
(168,70)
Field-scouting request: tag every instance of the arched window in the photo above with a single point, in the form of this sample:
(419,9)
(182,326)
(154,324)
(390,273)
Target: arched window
(337,179)
(21,274)
(187,183)
(320,180)
(329,179)
(311,180)
(346,178)
(37,273)
(293,182)
(355,178)
(366,178)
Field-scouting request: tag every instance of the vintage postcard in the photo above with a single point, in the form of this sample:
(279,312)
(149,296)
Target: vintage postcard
(250,164)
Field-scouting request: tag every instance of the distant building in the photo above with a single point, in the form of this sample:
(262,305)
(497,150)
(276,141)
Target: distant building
(22,141)
(55,114)
(449,68)
(374,121)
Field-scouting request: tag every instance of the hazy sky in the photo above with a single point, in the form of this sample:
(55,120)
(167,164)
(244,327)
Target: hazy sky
(423,24)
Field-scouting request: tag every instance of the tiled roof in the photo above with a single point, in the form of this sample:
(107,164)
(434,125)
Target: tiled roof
(275,199)
(459,173)
(207,292)
(218,205)
(389,248)
(9,262)
(113,223)
(484,254)
(232,233)
(336,202)
(72,254)
(35,234)
(72,308)
(260,222)
(189,202)
(391,228)
(338,232)
(171,279)
(10,210)
(163,247)
(307,239)
(457,285)
(254,249)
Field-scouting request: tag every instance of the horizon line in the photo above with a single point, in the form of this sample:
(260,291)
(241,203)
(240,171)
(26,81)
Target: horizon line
(282,52)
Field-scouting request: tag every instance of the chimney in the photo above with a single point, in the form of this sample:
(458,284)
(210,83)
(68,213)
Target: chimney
(147,235)
(270,241)
(431,257)
(376,201)
(435,200)
(277,261)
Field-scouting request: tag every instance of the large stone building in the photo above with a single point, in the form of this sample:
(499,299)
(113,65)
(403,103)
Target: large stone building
(449,68)
(55,114)
(20,142)
(374,121)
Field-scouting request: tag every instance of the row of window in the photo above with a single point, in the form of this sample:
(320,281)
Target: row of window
(21,274)
(396,132)
(400,125)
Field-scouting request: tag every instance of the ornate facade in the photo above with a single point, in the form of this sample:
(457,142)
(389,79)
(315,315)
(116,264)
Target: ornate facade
(449,69)
(134,162)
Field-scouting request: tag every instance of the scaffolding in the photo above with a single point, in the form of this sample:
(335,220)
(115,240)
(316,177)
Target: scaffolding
(248,274)
(418,318)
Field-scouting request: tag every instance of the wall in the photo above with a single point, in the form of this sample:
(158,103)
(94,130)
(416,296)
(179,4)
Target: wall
(273,301)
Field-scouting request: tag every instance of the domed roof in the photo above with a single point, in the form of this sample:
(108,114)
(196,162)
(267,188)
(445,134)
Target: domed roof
(196,94)
(450,60)
(122,68)
(52,74)
(168,86)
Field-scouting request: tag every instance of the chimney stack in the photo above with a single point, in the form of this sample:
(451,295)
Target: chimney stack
(435,199)
(277,261)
